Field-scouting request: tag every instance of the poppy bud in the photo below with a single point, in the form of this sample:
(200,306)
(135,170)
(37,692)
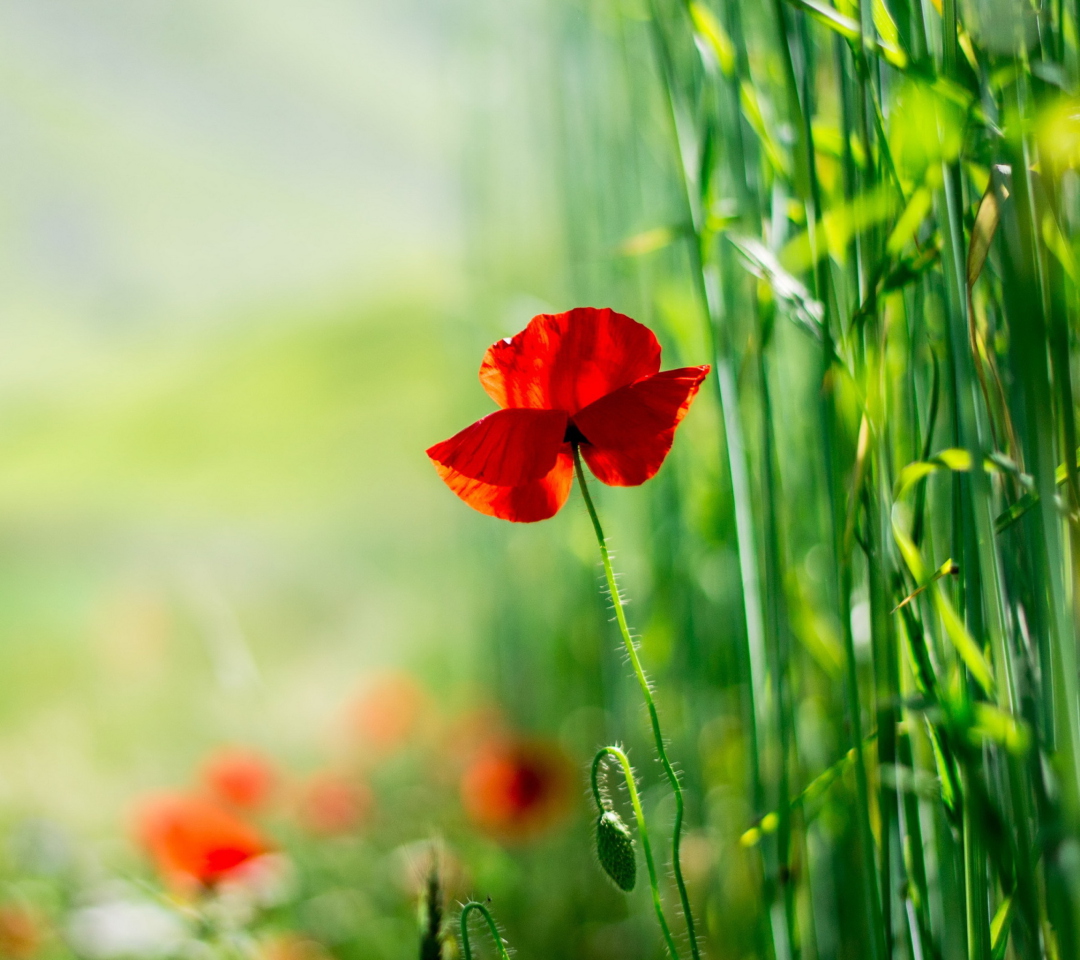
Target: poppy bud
(615,849)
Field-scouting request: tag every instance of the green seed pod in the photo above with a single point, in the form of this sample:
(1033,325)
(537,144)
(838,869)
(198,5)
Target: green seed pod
(615,848)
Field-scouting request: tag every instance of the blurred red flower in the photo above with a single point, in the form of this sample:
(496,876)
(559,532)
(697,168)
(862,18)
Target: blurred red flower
(515,788)
(241,777)
(388,714)
(20,934)
(587,376)
(194,841)
(331,804)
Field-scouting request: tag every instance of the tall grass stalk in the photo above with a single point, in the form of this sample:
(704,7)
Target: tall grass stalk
(868,209)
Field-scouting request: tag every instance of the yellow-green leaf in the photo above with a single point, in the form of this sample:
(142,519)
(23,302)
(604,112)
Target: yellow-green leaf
(994,724)
(752,111)
(715,36)
(914,214)
(962,641)
(837,228)
(1058,245)
(955,458)
(948,789)
(833,19)
(982,233)
(890,36)
(908,550)
(912,474)
(999,928)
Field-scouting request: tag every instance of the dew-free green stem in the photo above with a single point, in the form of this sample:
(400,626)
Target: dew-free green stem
(646,692)
(643,832)
(465,946)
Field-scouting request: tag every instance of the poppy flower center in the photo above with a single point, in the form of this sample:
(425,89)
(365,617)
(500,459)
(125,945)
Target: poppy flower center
(527,788)
(573,434)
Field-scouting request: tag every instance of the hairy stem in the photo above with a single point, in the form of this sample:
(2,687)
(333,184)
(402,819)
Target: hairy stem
(646,692)
(465,946)
(643,832)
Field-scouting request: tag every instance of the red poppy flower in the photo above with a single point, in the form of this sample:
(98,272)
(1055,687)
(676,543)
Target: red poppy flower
(515,788)
(243,778)
(590,377)
(194,842)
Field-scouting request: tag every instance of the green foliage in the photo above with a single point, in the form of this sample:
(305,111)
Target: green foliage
(877,214)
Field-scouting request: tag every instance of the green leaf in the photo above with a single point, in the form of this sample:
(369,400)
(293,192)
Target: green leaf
(949,786)
(962,641)
(838,227)
(751,107)
(831,18)
(800,305)
(1057,244)
(889,43)
(715,36)
(999,928)
(1015,511)
(982,233)
(850,29)
(906,227)
(955,458)
(994,724)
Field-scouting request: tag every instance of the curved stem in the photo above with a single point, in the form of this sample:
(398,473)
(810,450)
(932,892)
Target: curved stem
(465,911)
(643,832)
(646,692)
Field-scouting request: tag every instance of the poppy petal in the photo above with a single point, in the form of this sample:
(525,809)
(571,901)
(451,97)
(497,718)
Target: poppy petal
(565,361)
(523,503)
(505,448)
(512,464)
(630,431)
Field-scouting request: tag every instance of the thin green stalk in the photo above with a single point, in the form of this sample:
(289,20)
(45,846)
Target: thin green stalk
(777,630)
(978,929)
(727,399)
(1024,303)
(964,392)
(646,692)
(465,946)
(643,832)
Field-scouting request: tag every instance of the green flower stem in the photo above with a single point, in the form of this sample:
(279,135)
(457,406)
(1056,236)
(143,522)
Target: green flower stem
(465,911)
(643,832)
(646,692)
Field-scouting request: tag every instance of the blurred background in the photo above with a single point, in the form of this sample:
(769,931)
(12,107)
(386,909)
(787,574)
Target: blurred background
(232,264)
(251,254)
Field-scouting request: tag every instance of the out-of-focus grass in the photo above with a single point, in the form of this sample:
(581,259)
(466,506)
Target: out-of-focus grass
(269,493)
(230,283)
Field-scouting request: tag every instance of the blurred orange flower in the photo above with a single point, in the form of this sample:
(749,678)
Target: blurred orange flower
(194,841)
(515,788)
(20,934)
(331,804)
(388,714)
(241,777)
